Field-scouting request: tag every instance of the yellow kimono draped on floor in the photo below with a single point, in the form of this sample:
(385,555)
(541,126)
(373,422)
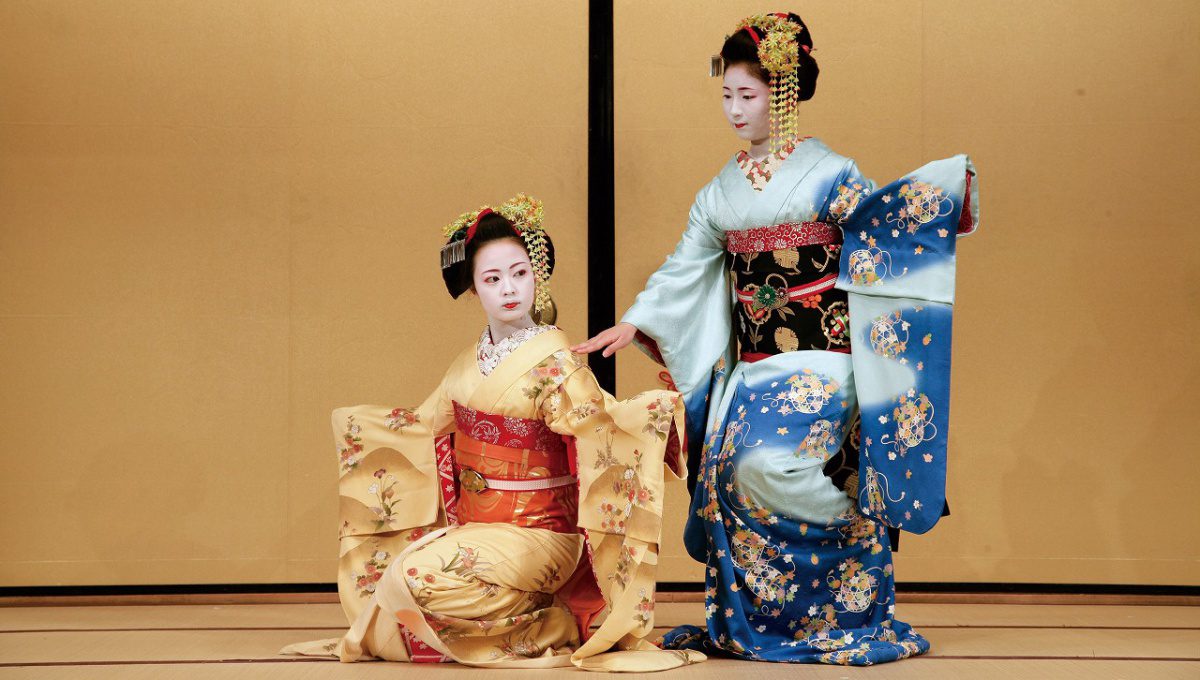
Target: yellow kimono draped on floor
(495,593)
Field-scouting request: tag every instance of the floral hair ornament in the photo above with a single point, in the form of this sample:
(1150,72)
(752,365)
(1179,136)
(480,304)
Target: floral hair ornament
(779,53)
(525,213)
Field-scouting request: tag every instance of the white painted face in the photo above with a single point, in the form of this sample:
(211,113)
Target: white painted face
(504,281)
(747,103)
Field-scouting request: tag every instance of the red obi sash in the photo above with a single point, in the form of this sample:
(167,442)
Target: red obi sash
(780,236)
(518,449)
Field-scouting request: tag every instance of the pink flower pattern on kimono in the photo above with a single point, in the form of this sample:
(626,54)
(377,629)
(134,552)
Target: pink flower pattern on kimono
(625,561)
(549,374)
(923,203)
(848,196)
(401,418)
(630,491)
(467,561)
(822,440)
(384,490)
(661,417)
(350,446)
(643,611)
(373,568)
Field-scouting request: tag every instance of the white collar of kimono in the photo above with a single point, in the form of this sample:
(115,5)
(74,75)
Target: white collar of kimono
(781,199)
(491,354)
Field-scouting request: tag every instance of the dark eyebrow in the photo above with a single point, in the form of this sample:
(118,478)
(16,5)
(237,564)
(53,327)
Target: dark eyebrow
(518,264)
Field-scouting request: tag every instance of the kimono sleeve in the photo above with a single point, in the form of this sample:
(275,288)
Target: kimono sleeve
(898,268)
(389,489)
(849,190)
(683,314)
(625,452)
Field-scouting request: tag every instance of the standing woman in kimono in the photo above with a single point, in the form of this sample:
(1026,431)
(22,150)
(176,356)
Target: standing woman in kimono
(790,260)
(492,524)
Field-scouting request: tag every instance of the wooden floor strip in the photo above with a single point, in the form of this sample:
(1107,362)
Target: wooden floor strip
(169,630)
(166,662)
(332,598)
(933,626)
(983,657)
(307,659)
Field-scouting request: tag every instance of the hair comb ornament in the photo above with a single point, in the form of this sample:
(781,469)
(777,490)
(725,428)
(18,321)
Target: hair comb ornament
(779,52)
(525,213)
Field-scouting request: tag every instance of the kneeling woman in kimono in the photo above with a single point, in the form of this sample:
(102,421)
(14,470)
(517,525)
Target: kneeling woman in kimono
(493,523)
(790,260)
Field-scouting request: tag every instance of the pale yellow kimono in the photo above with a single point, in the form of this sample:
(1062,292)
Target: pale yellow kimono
(482,594)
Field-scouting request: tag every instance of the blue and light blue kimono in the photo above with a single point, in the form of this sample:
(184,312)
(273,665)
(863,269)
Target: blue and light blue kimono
(755,315)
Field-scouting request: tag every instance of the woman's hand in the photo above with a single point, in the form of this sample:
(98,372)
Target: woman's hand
(611,340)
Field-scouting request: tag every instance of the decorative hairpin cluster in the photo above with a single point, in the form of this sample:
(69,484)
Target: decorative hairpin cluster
(525,213)
(779,53)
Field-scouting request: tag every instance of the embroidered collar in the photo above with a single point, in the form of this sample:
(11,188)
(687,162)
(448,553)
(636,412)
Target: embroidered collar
(760,172)
(491,354)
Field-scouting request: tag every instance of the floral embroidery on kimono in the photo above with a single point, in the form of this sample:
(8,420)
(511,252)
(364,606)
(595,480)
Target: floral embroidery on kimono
(491,354)
(794,491)
(438,565)
(760,172)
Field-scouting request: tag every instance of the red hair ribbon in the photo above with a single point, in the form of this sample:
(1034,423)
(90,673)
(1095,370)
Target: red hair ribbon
(806,49)
(753,34)
(475,225)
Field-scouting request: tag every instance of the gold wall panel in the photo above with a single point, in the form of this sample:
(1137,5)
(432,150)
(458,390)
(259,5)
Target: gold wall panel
(218,222)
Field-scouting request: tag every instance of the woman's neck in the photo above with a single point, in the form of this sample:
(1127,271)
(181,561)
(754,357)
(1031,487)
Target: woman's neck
(760,148)
(500,330)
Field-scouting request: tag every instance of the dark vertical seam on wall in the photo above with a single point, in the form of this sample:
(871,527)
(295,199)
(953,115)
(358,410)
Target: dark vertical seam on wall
(601,279)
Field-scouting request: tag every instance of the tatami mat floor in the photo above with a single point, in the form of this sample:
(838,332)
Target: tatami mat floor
(1074,642)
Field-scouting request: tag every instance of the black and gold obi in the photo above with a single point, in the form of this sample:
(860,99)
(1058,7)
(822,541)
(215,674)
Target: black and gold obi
(783,278)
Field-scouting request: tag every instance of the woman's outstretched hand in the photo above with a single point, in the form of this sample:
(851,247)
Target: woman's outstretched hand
(611,340)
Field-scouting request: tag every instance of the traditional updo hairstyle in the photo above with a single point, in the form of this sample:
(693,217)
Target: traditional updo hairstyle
(460,277)
(741,48)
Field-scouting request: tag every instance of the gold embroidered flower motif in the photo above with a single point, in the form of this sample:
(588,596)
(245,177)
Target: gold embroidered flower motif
(643,611)
(923,203)
(350,446)
(549,374)
(859,529)
(384,490)
(818,623)
(373,569)
(821,440)
(854,587)
(466,561)
(847,200)
(625,563)
(629,491)
(913,416)
(809,392)
(584,411)
(520,648)
(401,418)
(661,417)
(753,554)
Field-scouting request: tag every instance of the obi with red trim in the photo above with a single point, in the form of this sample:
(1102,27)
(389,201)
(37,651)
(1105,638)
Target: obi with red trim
(783,277)
(786,235)
(513,471)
